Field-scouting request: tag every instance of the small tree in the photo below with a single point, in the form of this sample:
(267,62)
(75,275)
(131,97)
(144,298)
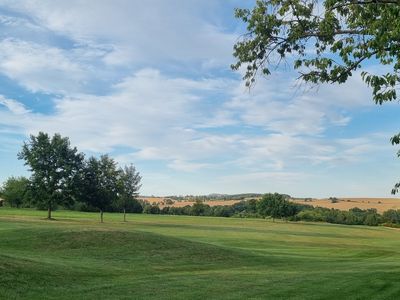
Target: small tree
(274,205)
(152,209)
(199,209)
(55,166)
(392,216)
(99,183)
(128,187)
(15,191)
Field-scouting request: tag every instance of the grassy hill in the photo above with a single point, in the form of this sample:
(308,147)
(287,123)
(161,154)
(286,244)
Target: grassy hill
(181,257)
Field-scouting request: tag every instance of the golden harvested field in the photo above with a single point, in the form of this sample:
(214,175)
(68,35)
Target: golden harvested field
(161,201)
(210,202)
(381,204)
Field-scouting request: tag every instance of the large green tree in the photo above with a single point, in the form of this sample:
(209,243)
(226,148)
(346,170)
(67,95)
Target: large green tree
(55,166)
(15,191)
(275,206)
(128,187)
(326,41)
(99,183)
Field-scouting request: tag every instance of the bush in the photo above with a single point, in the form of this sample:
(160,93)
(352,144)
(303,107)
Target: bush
(169,201)
(312,215)
(200,209)
(372,219)
(334,199)
(131,206)
(277,206)
(16,192)
(152,209)
(391,216)
(223,211)
(354,216)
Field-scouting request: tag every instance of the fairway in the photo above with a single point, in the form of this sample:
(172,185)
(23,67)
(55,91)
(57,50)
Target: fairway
(181,257)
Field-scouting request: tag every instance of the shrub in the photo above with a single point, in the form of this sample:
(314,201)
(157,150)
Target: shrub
(151,209)
(391,216)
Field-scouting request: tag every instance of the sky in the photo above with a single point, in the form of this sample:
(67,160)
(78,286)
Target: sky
(149,83)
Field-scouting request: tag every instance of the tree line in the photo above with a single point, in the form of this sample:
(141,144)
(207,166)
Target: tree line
(61,176)
(278,206)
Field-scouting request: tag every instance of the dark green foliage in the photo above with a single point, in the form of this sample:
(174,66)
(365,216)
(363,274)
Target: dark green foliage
(61,177)
(334,199)
(152,209)
(177,210)
(200,209)
(55,167)
(165,210)
(169,201)
(246,207)
(243,209)
(276,206)
(223,211)
(128,182)
(15,192)
(131,206)
(391,216)
(99,183)
(354,216)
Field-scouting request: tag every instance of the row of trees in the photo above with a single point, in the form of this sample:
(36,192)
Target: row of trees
(278,206)
(246,208)
(271,205)
(60,175)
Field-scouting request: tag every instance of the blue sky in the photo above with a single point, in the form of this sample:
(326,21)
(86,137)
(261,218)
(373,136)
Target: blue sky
(149,83)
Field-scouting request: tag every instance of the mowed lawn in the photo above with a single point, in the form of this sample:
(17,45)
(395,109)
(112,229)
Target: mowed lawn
(181,257)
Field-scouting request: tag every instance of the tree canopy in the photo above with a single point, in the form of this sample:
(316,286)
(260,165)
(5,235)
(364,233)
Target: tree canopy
(15,191)
(99,183)
(325,41)
(128,187)
(55,166)
(275,206)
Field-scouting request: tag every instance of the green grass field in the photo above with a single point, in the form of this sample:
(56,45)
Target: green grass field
(181,257)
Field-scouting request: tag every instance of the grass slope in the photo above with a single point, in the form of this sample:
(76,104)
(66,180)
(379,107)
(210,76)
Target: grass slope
(180,257)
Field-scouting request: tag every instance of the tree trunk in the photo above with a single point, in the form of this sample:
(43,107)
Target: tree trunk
(49,212)
(124,215)
(101,216)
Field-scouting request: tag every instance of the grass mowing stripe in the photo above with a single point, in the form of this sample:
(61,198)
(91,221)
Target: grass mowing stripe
(174,257)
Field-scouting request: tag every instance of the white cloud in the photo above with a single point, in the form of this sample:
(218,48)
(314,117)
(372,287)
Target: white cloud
(187,166)
(149,78)
(283,107)
(14,106)
(40,68)
(137,31)
(146,111)
(158,117)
